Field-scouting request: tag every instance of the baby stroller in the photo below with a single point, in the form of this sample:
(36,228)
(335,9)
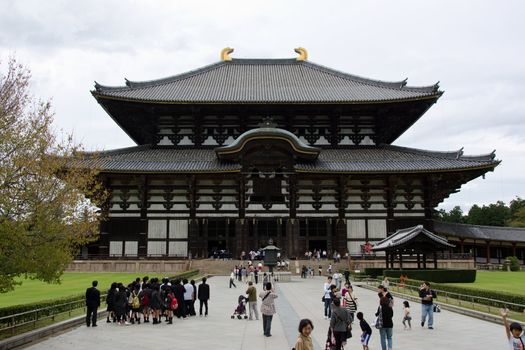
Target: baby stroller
(240,310)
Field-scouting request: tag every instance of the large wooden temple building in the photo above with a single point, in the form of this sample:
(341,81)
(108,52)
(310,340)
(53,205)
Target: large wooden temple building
(243,150)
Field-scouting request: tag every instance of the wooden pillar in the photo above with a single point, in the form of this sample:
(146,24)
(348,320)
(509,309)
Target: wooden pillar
(386,260)
(390,190)
(462,245)
(487,249)
(427,202)
(418,261)
(435,261)
(425,261)
(401,260)
(514,249)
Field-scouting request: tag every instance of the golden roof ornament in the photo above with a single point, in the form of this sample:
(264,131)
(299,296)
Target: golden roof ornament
(303,54)
(225,54)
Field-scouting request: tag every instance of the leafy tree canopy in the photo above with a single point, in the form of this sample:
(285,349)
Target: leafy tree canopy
(45,213)
(494,214)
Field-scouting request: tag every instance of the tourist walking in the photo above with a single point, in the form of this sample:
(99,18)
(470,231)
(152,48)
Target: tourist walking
(252,301)
(385,314)
(92,304)
(232,279)
(304,340)
(366,329)
(327,299)
(268,308)
(203,295)
(347,276)
(406,315)
(339,323)
(337,279)
(427,296)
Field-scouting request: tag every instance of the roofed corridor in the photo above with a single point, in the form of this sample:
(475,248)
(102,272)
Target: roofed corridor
(299,299)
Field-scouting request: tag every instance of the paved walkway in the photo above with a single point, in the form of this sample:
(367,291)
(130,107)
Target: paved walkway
(298,299)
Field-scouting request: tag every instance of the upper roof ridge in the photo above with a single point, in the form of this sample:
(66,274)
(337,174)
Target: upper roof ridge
(396,85)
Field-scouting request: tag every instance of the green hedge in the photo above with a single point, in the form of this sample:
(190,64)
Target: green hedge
(374,271)
(475,294)
(78,300)
(440,276)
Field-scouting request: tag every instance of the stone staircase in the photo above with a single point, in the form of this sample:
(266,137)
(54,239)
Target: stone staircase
(224,267)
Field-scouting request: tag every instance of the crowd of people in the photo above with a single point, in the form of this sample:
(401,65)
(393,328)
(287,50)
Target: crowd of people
(161,300)
(149,301)
(340,306)
(323,254)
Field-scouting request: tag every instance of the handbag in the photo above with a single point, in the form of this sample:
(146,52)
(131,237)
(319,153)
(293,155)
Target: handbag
(378,321)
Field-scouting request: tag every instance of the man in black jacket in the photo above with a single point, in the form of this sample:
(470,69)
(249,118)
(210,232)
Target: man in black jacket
(427,296)
(92,304)
(203,295)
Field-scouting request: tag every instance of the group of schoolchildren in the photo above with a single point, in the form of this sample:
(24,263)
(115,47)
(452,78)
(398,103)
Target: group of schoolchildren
(156,299)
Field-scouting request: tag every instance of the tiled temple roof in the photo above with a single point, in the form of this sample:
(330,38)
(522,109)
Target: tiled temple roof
(480,232)
(257,81)
(373,159)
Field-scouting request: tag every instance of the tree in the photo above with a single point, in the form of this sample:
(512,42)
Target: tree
(45,213)
(495,214)
(517,212)
(518,219)
(454,215)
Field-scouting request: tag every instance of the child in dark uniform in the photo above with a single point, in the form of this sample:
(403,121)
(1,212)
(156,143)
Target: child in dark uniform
(367,331)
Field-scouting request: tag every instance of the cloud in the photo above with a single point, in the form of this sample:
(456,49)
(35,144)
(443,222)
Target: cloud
(472,47)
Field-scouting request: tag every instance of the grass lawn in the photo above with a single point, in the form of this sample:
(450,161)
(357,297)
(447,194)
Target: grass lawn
(73,283)
(510,282)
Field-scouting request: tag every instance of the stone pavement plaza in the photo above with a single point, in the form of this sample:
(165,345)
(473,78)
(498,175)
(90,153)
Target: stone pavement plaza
(298,299)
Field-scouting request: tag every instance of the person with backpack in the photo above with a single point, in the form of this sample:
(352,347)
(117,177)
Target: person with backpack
(340,323)
(145,297)
(171,303)
(135,304)
(385,323)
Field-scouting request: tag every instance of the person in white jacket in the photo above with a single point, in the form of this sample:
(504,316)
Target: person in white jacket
(232,279)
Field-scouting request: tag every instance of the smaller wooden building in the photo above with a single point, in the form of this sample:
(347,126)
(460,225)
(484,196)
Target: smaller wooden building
(413,242)
(487,244)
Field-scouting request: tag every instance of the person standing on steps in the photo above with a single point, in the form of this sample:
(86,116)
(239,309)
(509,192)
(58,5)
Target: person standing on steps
(427,296)
(252,301)
(203,295)
(268,308)
(92,304)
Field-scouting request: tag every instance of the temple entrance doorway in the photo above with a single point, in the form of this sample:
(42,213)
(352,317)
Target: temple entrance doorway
(217,248)
(317,244)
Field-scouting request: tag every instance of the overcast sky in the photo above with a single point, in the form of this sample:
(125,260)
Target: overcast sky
(476,49)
